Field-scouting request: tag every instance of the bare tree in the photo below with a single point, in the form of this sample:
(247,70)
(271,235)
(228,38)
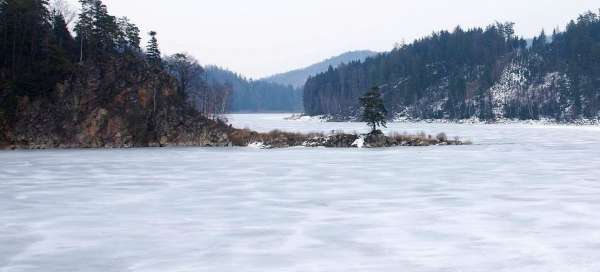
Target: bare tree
(209,99)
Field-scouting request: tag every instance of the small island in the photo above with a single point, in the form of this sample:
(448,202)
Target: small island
(280,139)
(374,114)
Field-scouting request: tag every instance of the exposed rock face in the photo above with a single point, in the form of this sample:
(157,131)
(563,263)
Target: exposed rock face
(377,140)
(121,103)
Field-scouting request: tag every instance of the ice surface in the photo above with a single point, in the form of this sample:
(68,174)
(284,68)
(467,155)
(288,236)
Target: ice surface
(522,198)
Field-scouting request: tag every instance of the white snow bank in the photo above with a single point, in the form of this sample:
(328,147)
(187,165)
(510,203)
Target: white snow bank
(302,117)
(259,145)
(360,142)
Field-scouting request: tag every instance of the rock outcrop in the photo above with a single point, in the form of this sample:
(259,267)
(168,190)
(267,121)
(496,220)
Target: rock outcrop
(120,103)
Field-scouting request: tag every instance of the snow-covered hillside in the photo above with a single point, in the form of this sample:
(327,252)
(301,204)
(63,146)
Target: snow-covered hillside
(512,82)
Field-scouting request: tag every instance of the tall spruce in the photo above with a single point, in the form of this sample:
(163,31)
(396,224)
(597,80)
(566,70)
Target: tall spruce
(152,50)
(97,31)
(129,35)
(105,29)
(61,32)
(84,29)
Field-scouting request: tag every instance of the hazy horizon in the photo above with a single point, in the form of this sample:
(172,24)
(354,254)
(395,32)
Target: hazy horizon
(265,37)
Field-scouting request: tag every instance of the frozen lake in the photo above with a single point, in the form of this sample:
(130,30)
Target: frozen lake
(522,198)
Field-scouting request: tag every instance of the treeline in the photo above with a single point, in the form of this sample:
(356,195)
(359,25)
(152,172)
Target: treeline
(487,73)
(209,97)
(567,67)
(36,49)
(38,52)
(255,95)
(97,86)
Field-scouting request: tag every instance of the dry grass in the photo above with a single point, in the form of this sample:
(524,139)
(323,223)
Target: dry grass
(278,138)
(274,138)
(422,139)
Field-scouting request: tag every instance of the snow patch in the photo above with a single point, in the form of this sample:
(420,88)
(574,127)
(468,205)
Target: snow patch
(303,117)
(360,142)
(258,145)
(512,80)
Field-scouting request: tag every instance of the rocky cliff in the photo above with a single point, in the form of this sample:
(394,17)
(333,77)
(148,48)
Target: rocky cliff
(116,103)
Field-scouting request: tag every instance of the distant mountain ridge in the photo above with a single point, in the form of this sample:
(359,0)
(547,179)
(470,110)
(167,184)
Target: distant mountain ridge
(297,78)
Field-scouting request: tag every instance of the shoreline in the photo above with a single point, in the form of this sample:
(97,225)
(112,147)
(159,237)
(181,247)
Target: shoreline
(470,121)
(376,139)
(277,139)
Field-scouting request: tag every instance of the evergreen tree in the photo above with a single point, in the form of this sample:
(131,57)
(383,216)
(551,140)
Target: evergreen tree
(62,36)
(374,112)
(539,43)
(24,30)
(84,28)
(133,36)
(105,29)
(152,50)
(97,31)
(129,35)
(61,50)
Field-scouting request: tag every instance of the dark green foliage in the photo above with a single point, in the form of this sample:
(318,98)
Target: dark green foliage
(129,35)
(97,31)
(408,71)
(100,34)
(24,41)
(106,31)
(61,34)
(450,75)
(373,110)
(575,54)
(577,51)
(96,89)
(37,49)
(152,50)
(84,28)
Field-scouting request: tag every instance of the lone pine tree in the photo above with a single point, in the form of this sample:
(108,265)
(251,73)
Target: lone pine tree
(374,112)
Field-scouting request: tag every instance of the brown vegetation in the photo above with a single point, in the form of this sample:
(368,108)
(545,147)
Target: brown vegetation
(280,139)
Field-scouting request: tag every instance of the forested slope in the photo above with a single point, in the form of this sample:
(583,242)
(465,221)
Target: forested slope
(487,73)
(97,89)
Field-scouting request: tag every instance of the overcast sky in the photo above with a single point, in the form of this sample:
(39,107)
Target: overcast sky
(261,37)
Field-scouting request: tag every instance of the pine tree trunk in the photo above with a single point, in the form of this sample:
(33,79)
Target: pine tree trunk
(81,50)
(154,101)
